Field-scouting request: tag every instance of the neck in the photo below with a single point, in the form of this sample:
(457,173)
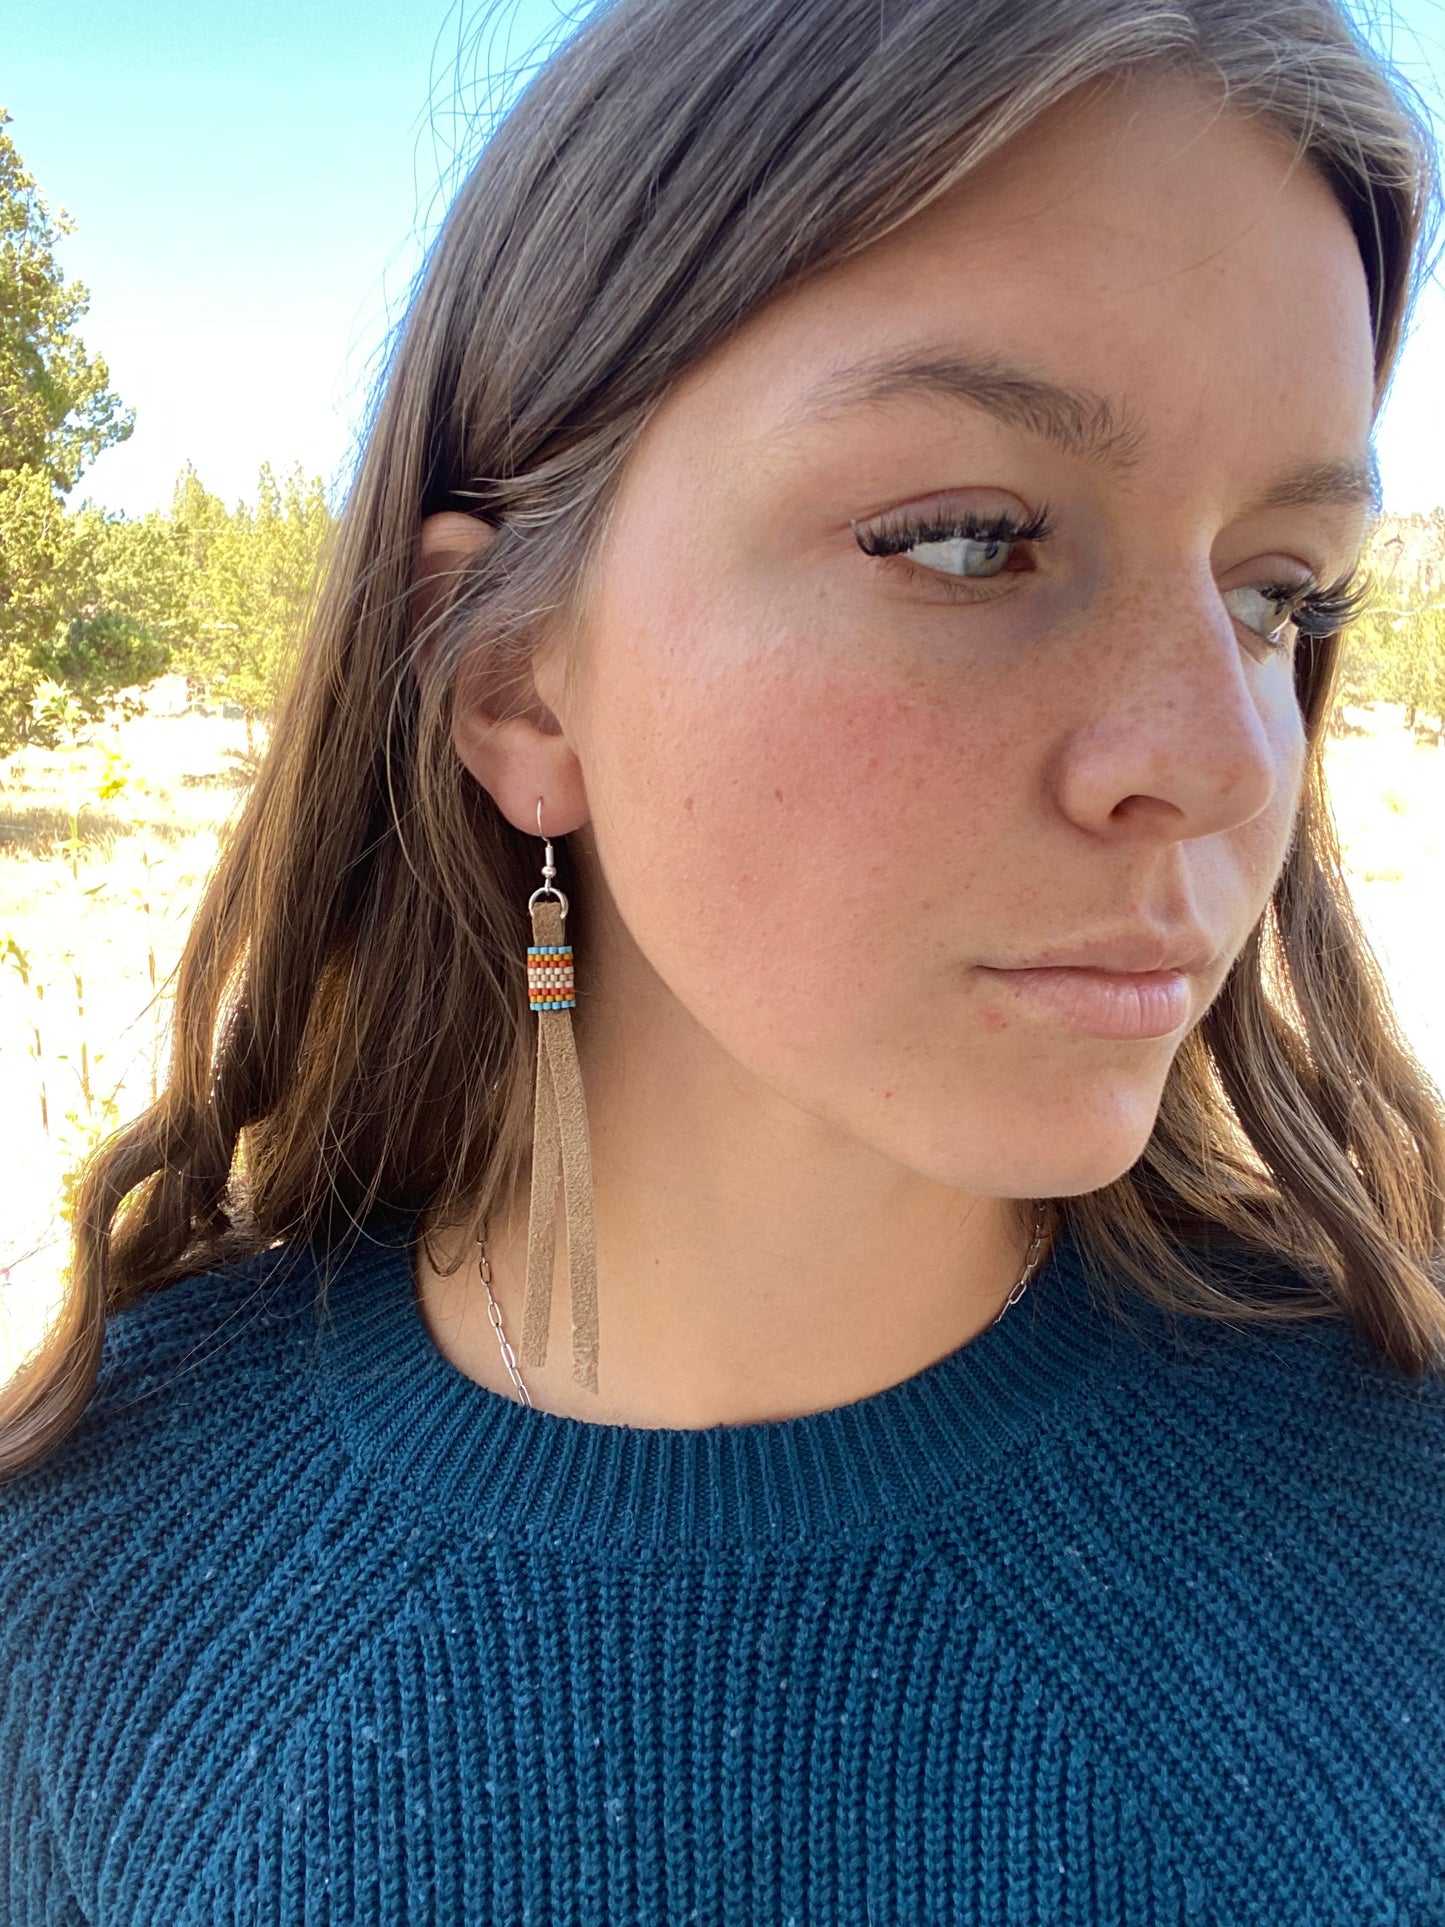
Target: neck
(753,1261)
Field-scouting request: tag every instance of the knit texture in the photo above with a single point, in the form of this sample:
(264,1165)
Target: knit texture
(1100,1619)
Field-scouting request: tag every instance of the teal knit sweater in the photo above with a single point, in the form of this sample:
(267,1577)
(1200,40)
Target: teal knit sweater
(1097,1620)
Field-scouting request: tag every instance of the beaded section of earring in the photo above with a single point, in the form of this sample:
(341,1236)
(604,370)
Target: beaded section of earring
(550,984)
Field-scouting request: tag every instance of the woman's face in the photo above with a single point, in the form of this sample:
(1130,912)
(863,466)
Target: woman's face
(849,764)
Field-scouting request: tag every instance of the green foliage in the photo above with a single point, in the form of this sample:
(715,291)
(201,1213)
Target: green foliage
(197,517)
(258,570)
(1395,652)
(111,602)
(87,608)
(101,654)
(136,569)
(56,415)
(39,584)
(96,604)
(56,409)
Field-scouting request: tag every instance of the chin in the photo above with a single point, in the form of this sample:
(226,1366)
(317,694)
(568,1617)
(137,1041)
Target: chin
(1093,1153)
(1071,1176)
(1059,1145)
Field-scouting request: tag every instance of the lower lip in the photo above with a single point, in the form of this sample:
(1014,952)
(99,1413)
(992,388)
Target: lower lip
(1104,1003)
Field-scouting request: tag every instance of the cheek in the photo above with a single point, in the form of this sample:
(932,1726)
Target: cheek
(768,826)
(1265,841)
(1235,873)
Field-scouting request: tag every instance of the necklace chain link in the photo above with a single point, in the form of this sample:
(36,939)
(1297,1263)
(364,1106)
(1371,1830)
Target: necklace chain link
(1032,1260)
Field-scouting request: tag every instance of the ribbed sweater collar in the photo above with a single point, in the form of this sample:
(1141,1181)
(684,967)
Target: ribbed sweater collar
(498,1469)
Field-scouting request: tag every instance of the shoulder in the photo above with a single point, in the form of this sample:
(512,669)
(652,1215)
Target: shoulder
(1226,1567)
(1256,1579)
(1263,1506)
(1302,1359)
(1234,1489)
(187,1377)
(1299,1424)
(1303,1389)
(159,1581)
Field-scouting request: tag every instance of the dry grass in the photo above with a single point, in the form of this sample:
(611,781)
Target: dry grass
(97,931)
(1389,797)
(101,927)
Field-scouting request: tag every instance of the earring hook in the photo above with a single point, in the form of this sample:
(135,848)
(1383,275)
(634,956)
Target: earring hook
(549,870)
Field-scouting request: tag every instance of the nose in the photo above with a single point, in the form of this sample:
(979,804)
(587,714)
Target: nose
(1181,733)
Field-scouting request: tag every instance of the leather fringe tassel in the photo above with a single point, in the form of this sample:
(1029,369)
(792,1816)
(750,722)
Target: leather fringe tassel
(560,1149)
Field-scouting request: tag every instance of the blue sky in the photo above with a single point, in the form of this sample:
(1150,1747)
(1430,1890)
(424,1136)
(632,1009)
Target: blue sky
(252,187)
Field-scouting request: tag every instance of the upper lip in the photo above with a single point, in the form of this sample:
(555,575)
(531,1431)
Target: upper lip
(1136,951)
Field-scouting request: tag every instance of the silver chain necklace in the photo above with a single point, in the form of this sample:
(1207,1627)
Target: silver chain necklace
(1032,1260)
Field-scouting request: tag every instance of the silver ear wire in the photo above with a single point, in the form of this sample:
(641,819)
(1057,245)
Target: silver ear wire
(549,870)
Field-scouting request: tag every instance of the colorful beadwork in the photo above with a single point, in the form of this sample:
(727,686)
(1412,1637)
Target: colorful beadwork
(550,983)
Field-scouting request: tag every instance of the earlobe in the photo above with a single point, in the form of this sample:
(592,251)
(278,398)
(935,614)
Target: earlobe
(516,762)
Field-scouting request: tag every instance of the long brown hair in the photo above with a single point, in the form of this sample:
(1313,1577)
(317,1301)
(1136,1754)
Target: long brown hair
(351,1027)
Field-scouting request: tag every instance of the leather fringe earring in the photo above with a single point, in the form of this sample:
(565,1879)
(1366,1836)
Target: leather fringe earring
(560,1144)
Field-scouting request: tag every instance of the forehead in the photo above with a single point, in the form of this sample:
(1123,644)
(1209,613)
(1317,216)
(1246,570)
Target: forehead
(1140,242)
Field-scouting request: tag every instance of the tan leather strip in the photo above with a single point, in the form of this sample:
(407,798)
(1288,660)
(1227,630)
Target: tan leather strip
(577,1185)
(560,1141)
(542,1223)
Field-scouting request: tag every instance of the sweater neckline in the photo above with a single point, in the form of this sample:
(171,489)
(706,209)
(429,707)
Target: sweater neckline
(498,1469)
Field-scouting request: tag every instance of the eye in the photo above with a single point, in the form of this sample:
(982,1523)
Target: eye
(1268,609)
(961,555)
(965,546)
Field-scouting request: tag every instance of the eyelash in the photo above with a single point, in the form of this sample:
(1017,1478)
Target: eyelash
(1322,611)
(894,537)
(1317,611)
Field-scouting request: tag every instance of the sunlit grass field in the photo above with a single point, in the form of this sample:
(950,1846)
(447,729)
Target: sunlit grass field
(105,848)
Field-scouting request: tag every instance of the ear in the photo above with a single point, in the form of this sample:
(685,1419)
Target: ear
(445,545)
(518,760)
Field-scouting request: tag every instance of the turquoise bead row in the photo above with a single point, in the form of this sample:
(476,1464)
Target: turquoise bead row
(550,983)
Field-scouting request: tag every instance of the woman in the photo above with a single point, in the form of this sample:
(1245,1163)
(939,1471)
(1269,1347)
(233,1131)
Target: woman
(874,492)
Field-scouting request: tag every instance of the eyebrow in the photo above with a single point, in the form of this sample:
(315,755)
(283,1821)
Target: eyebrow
(1352,484)
(1079,421)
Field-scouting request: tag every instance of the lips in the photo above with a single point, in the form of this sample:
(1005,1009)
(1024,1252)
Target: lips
(1116,1004)
(1135,952)
(1132,986)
